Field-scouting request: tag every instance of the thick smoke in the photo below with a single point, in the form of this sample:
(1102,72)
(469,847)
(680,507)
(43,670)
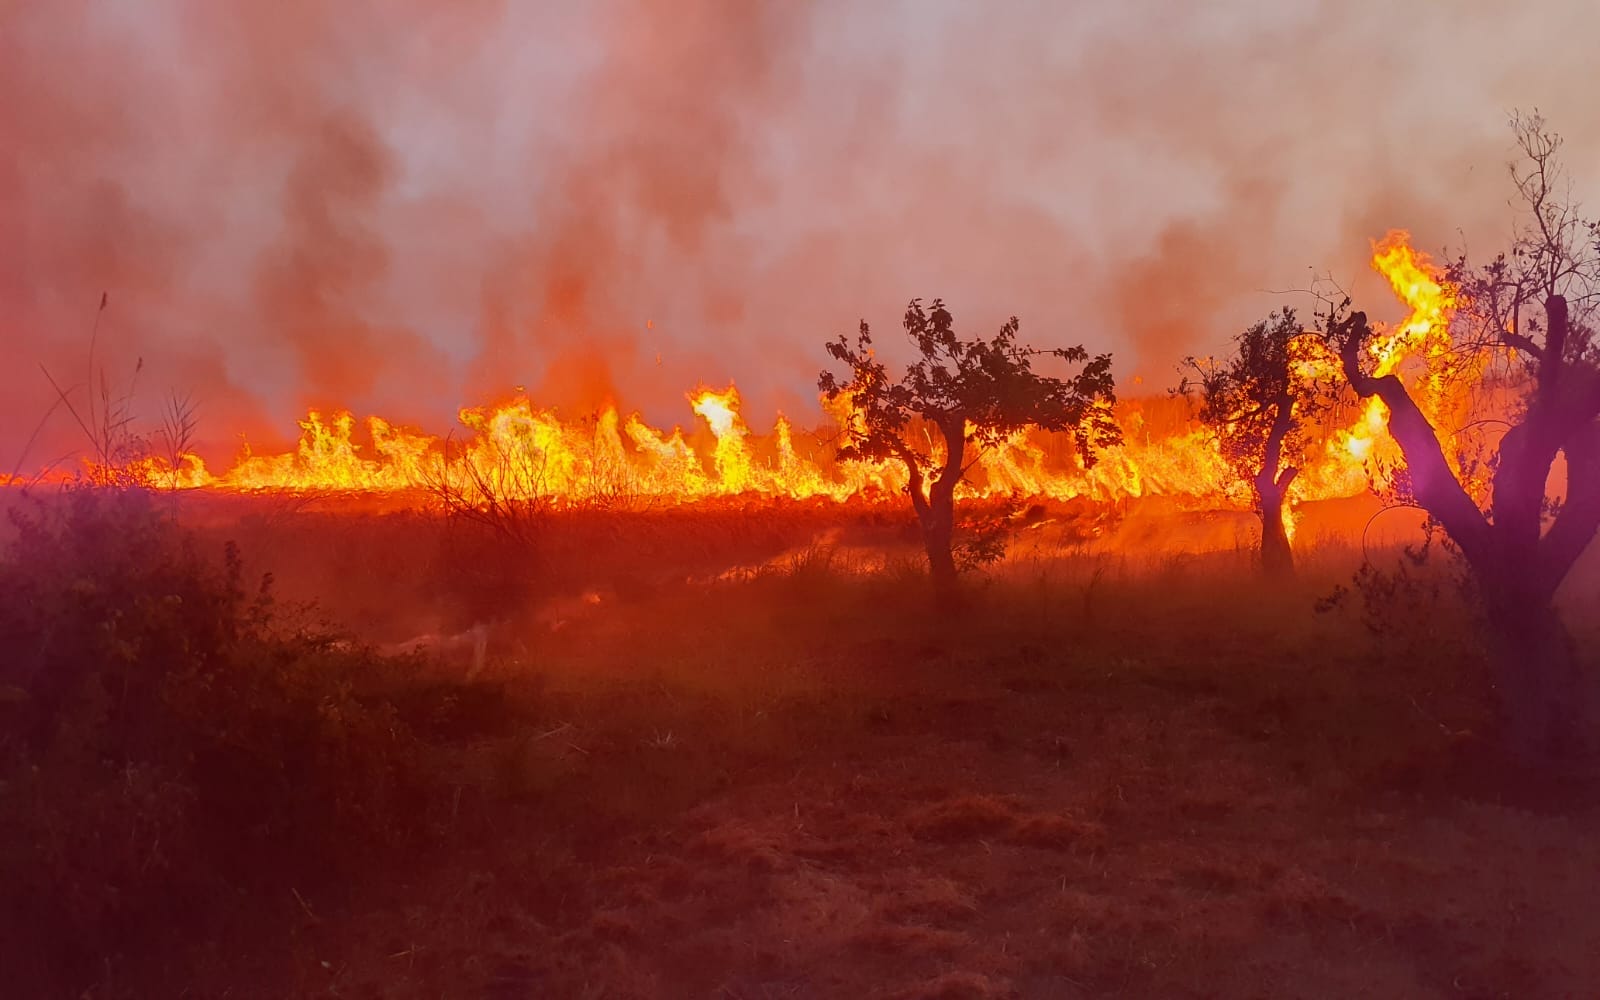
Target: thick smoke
(401,207)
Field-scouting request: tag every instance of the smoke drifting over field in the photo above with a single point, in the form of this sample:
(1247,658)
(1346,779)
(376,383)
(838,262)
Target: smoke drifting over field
(408,206)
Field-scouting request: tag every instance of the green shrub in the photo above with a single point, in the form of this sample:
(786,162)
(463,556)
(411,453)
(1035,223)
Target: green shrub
(169,735)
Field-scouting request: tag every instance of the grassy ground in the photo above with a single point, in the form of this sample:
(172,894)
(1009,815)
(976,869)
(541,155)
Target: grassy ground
(1111,776)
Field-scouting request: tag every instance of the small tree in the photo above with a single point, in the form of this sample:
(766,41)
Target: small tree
(1258,405)
(973,393)
(1532,309)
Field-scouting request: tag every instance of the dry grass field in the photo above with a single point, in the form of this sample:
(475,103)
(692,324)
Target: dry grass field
(735,754)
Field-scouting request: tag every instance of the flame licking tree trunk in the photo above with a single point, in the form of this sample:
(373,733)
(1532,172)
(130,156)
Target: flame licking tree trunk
(1517,567)
(935,502)
(976,393)
(1520,544)
(1272,497)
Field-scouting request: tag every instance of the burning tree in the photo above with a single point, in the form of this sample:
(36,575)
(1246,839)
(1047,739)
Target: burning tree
(1258,404)
(975,394)
(1531,312)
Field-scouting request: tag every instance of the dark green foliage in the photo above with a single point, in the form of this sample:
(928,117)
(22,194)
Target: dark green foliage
(974,393)
(987,384)
(1246,393)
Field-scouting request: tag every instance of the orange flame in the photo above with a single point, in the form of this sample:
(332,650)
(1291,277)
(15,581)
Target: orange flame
(517,449)
(1418,350)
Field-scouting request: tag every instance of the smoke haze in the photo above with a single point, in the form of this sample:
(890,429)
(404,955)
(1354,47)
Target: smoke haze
(402,207)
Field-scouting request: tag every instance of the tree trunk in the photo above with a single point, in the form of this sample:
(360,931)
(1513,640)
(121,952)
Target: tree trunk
(1547,705)
(938,530)
(939,516)
(1272,495)
(1277,560)
(1545,708)
(1272,489)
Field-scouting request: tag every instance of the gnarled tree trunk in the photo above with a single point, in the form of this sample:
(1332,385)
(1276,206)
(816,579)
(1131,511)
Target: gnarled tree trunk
(1516,564)
(1277,559)
(1537,679)
(1272,493)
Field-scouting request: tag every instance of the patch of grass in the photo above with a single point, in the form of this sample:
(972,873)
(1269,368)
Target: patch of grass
(1106,775)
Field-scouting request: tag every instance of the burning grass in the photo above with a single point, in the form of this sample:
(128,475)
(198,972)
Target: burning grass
(1148,775)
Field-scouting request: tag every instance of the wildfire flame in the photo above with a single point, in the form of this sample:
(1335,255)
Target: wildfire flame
(1417,350)
(518,449)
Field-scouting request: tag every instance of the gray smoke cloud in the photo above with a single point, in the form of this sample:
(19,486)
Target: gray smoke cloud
(402,207)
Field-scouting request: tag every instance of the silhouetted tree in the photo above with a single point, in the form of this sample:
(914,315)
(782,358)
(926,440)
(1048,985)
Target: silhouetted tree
(974,393)
(1534,306)
(1258,405)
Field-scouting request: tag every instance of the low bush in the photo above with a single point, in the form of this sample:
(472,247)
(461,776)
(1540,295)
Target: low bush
(172,736)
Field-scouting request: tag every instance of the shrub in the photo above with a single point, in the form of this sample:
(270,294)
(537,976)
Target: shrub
(167,732)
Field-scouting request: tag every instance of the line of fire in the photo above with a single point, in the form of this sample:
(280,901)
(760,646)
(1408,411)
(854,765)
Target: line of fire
(518,450)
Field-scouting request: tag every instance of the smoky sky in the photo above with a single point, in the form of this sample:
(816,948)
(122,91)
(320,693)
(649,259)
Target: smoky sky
(402,207)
